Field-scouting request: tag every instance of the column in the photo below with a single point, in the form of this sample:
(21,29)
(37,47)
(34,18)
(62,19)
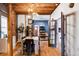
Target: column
(10,46)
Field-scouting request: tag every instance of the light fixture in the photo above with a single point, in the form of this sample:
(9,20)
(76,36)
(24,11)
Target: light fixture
(29,16)
(30,10)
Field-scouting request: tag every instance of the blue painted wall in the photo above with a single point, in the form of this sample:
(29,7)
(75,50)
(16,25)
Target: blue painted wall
(42,23)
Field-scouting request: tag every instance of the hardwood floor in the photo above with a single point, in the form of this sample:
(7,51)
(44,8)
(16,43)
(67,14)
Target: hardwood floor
(48,51)
(3,54)
(44,50)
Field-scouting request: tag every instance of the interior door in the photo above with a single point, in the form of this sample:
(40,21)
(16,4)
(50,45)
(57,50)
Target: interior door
(68,34)
(53,31)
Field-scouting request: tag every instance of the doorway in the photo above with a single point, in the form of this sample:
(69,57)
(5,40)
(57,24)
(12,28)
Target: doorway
(43,34)
(53,33)
(43,29)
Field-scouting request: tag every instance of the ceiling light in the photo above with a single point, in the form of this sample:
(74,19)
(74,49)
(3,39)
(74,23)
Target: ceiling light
(29,16)
(30,9)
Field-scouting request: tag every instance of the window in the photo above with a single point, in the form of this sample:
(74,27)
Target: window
(53,32)
(3,27)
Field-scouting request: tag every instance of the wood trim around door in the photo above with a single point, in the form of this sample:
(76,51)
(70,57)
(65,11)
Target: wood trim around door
(62,34)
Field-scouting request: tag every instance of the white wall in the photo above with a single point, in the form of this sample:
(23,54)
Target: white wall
(64,7)
(59,34)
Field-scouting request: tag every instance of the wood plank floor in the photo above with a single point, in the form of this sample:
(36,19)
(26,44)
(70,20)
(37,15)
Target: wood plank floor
(3,54)
(44,50)
(48,51)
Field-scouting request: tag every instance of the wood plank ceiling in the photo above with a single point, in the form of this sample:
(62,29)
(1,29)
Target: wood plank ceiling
(40,8)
